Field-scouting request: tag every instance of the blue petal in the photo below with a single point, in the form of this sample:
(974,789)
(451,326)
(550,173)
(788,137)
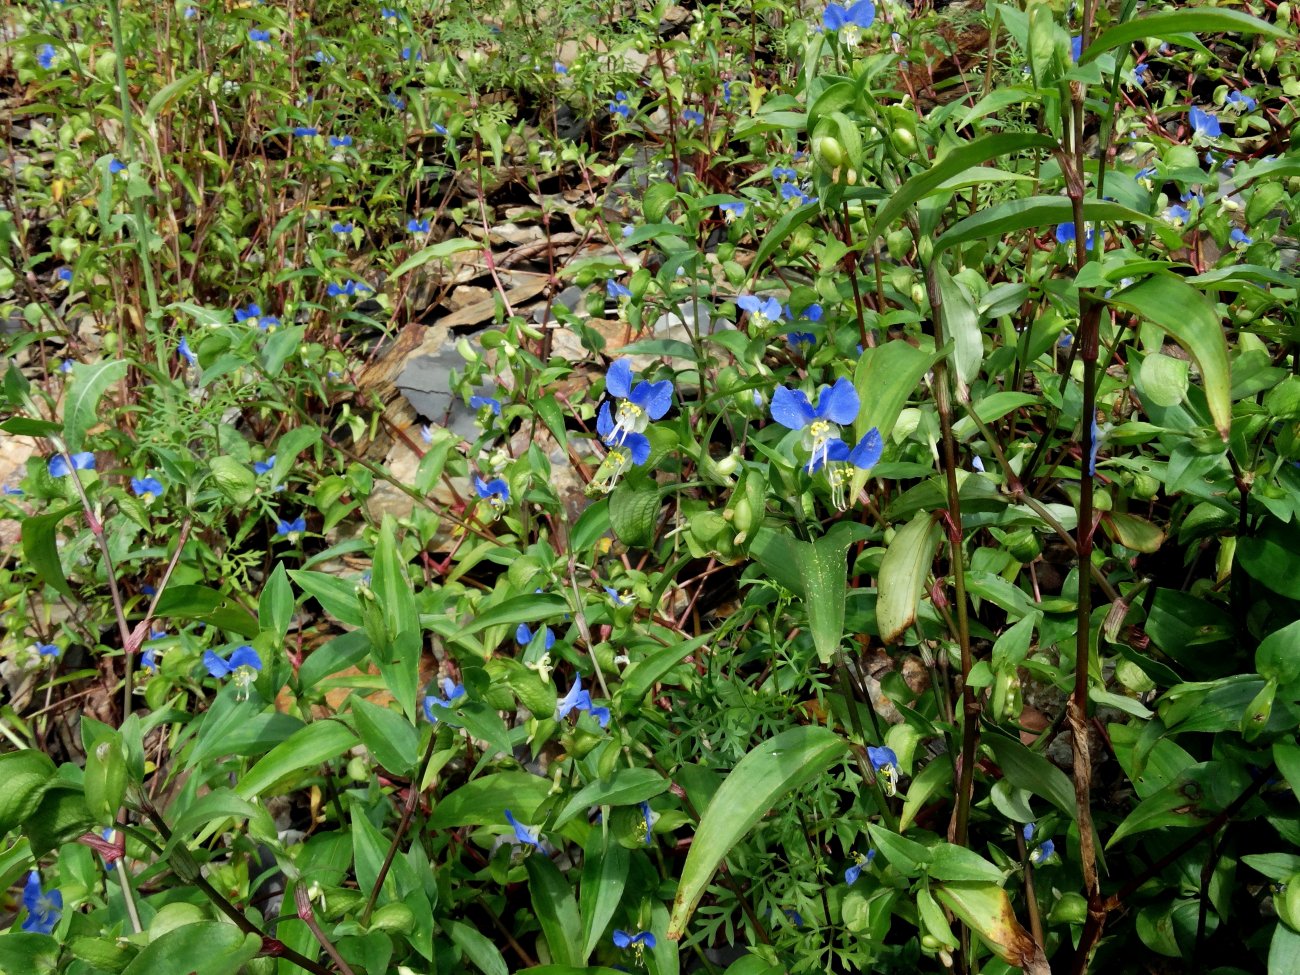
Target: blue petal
(862,13)
(523,635)
(790,408)
(882,756)
(771,310)
(654,398)
(604,421)
(839,404)
(498,486)
(245,656)
(867,453)
(639,447)
(837,449)
(601,715)
(618,381)
(1065,232)
(622,939)
(834,17)
(216,666)
(852,874)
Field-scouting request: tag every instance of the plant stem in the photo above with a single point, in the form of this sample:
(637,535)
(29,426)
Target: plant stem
(308,917)
(412,797)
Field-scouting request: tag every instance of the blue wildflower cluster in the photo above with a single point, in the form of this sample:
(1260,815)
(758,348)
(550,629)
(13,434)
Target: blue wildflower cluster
(623,429)
(836,407)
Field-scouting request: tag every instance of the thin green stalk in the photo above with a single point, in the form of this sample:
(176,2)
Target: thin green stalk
(412,797)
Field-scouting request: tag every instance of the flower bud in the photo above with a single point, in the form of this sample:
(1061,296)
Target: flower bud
(828,152)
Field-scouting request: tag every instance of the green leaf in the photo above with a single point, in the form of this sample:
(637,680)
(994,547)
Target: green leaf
(304,750)
(40,548)
(390,738)
(885,378)
(336,596)
(646,672)
(529,609)
(1032,772)
(25,775)
(233,479)
(483,802)
(633,513)
(903,570)
(61,816)
(933,779)
(759,781)
(1198,793)
(783,228)
(287,449)
(398,659)
(823,570)
(1284,951)
(81,410)
(213,808)
(1036,212)
(438,252)
(22,426)
(202,948)
(553,904)
(209,606)
(485,956)
(1169,24)
(961,326)
(949,862)
(168,93)
(625,787)
(954,163)
(986,909)
(1192,322)
(906,856)
(275,606)
(1278,655)
(604,877)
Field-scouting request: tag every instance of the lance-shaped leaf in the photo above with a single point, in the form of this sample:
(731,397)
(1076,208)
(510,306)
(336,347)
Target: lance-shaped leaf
(822,568)
(1169,24)
(902,575)
(757,783)
(1191,321)
(82,407)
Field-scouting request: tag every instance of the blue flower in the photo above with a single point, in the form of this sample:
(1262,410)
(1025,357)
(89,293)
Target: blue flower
(642,939)
(761,311)
(45,56)
(864,456)
(290,528)
(439,128)
(524,834)
(64,274)
(190,13)
(11,492)
(116,166)
(1045,852)
(44,908)
(813,313)
(84,461)
(250,314)
(524,636)
(619,105)
(409,54)
(648,817)
(320,57)
(693,117)
(259,36)
(147,487)
(495,492)
(339,227)
(726,92)
(264,466)
(852,874)
(340,141)
(575,698)
(1140,74)
(1096,446)
(798,339)
(849,22)
(47,649)
(732,211)
(1076,47)
(1178,215)
(628,230)
(836,406)
(789,191)
(478,402)
(417,226)
(1204,123)
(784,173)
(881,757)
(268,323)
(1028,831)
(305,131)
(616,291)
(397,102)
(388,13)
(149,660)
(1239,237)
(560,68)
(243,659)
(450,692)
(187,353)
(1065,234)
(637,406)
(1241,102)
(65,366)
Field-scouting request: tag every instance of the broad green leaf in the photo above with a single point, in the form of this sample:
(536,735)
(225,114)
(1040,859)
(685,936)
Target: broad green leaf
(823,570)
(307,748)
(990,409)
(398,658)
(903,570)
(41,551)
(233,479)
(1040,213)
(1163,379)
(1134,532)
(1196,795)
(438,252)
(168,93)
(625,787)
(1192,322)
(957,161)
(389,737)
(961,326)
(61,816)
(1287,757)
(287,449)
(1284,951)
(480,950)
(934,779)
(646,672)
(633,513)
(275,606)
(986,909)
(1032,772)
(1169,24)
(202,948)
(25,775)
(770,771)
(604,876)
(530,609)
(885,378)
(483,801)
(949,862)
(336,596)
(213,808)
(783,228)
(209,606)
(81,410)
(906,856)
(1278,655)
(369,847)
(555,909)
